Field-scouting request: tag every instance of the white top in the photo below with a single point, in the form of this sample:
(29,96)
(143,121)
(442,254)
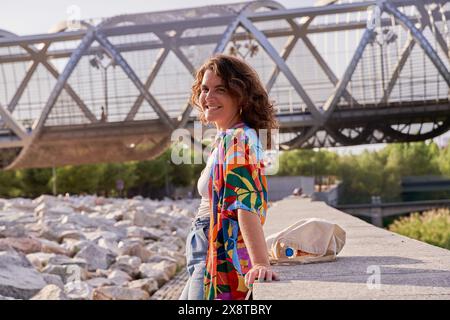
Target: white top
(202,187)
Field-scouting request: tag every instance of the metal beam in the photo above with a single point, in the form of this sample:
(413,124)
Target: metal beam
(310,11)
(80,103)
(210,39)
(407,24)
(234,24)
(171,43)
(23,84)
(427,16)
(60,84)
(290,45)
(167,26)
(109,48)
(261,16)
(185,61)
(42,38)
(148,82)
(12,124)
(399,67)
(332,101)
(327,70)
(40,58)
(325,10)
(273,54)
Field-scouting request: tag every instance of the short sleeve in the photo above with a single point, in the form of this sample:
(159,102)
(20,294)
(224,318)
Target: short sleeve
(245,185)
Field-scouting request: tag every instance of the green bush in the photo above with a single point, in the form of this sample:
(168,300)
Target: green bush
(432,227)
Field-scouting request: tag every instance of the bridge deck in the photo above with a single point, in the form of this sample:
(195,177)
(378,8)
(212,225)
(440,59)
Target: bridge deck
(410,269)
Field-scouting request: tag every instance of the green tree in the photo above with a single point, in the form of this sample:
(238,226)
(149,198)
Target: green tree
(35,182)
(431,226)
(444,161)
(110,173)
(308,162)
(413,159)
(154,172)
(10,184)
(78,179)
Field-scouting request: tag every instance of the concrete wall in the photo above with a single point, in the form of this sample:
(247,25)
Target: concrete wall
(374,263)
(282,186)
(330,197)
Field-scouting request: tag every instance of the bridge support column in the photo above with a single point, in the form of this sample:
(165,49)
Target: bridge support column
(376,216)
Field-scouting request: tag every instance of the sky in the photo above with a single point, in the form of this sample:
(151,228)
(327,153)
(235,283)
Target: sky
(25,17)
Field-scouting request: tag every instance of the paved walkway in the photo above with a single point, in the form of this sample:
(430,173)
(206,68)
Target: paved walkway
(409,269)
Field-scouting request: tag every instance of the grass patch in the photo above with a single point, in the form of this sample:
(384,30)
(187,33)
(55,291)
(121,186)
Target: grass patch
(432,227)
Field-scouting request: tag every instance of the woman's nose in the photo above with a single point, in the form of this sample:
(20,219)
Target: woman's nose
(209,95)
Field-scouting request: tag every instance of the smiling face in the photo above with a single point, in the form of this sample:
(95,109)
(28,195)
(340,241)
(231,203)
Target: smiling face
(217,103)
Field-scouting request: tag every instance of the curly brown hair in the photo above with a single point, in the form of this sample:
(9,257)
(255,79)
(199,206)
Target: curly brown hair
(243,82)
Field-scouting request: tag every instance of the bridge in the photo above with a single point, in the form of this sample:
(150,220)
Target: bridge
(341,73)
(376,212)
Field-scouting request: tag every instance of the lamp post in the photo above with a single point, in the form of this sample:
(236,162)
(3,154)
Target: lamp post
(100,62)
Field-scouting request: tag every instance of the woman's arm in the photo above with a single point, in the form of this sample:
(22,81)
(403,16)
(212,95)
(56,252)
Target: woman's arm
(254,240)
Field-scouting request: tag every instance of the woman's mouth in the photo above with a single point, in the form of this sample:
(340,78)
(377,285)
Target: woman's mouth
(211,108)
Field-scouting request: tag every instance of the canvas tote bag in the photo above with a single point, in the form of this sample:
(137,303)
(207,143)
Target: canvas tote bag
(306,241)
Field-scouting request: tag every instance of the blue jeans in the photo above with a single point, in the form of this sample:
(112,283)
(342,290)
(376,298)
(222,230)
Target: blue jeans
(196,249)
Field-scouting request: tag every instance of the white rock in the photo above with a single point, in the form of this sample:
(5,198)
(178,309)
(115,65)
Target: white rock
(119,293)
(52,247)
(134,249)
(123,224)
(112,246)
(45,210)
(64,260)
(74,246)
(7,298)
(67,273)
(53,279)
(145,219)
(148,271)
(96,257)
(14,231)
(116,215)
(128,264)
(99,282)
(50,292)
(148,285)
(119,278)
(21,204)
(18,278)
(78,290)
(72,234)
(169,267)
(39,259)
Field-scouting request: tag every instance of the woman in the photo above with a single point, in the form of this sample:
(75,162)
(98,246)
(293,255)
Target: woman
(226,249)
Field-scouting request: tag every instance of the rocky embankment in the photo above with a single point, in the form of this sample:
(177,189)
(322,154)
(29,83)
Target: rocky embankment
(90,247)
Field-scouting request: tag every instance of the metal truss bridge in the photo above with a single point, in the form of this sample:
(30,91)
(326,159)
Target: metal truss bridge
(341,73)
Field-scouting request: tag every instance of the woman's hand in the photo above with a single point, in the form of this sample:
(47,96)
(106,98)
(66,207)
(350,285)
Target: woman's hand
(262,273)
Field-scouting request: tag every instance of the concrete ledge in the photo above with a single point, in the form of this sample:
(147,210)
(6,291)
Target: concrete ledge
(409,269)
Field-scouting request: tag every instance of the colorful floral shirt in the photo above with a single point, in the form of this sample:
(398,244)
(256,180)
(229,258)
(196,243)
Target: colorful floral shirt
(237,181)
